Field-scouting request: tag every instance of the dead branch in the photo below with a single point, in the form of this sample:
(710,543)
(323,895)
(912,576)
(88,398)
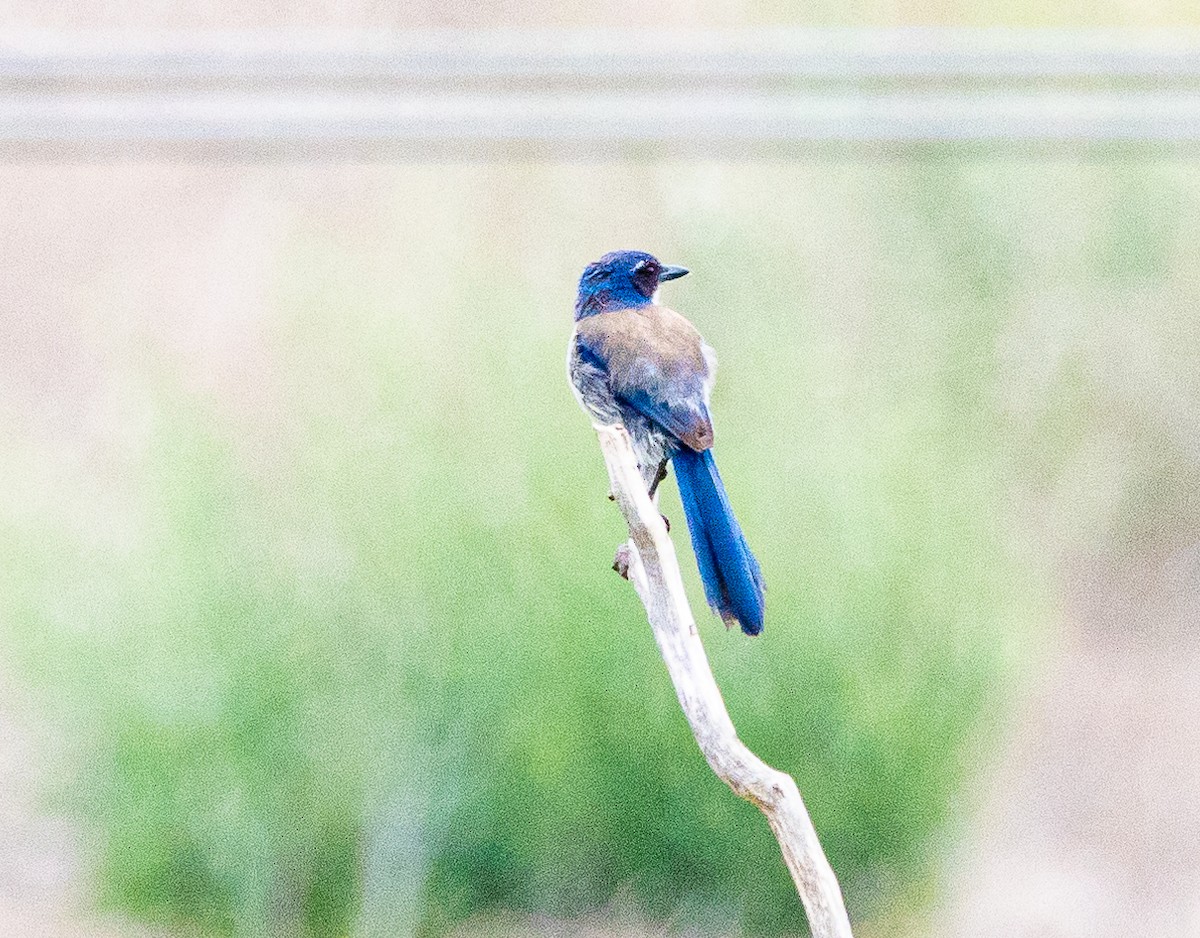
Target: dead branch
(654,572)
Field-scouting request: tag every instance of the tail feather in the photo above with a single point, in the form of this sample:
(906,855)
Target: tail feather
(732,579)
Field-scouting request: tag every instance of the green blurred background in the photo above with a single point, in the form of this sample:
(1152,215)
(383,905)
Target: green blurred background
(305,542)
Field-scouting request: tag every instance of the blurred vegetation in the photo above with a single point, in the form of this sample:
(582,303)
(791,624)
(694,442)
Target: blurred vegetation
(333,639)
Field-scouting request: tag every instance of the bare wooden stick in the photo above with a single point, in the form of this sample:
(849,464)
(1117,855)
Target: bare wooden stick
(654,572)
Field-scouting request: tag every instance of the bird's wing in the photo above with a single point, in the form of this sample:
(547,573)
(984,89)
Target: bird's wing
(656,363)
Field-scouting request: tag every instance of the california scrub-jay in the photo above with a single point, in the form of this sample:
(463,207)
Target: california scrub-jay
(636,363)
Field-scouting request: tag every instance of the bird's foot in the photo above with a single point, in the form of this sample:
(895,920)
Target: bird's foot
(659,475)
(667,522)
(621,562)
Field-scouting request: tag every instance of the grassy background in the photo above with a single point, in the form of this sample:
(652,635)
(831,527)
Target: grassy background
(305,546)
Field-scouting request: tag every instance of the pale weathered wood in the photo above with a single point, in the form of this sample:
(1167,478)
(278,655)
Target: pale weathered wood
(654,572)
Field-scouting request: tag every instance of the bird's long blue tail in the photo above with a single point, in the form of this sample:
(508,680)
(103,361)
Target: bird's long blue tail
(733,582)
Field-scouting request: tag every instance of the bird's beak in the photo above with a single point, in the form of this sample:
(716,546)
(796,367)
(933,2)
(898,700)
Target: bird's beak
(671,273)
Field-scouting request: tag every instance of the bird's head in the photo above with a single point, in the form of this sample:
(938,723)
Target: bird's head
(621,279)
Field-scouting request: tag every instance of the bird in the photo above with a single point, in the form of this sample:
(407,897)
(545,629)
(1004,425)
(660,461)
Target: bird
(636,363)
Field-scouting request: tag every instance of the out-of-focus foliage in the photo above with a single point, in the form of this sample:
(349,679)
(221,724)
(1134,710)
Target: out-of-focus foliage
(333,635)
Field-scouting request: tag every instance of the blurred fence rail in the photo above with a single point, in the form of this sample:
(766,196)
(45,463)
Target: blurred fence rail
(482,95)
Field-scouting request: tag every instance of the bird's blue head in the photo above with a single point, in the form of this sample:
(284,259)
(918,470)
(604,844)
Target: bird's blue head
(619,280)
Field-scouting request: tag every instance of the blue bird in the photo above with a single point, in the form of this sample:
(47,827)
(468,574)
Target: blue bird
(639,364)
